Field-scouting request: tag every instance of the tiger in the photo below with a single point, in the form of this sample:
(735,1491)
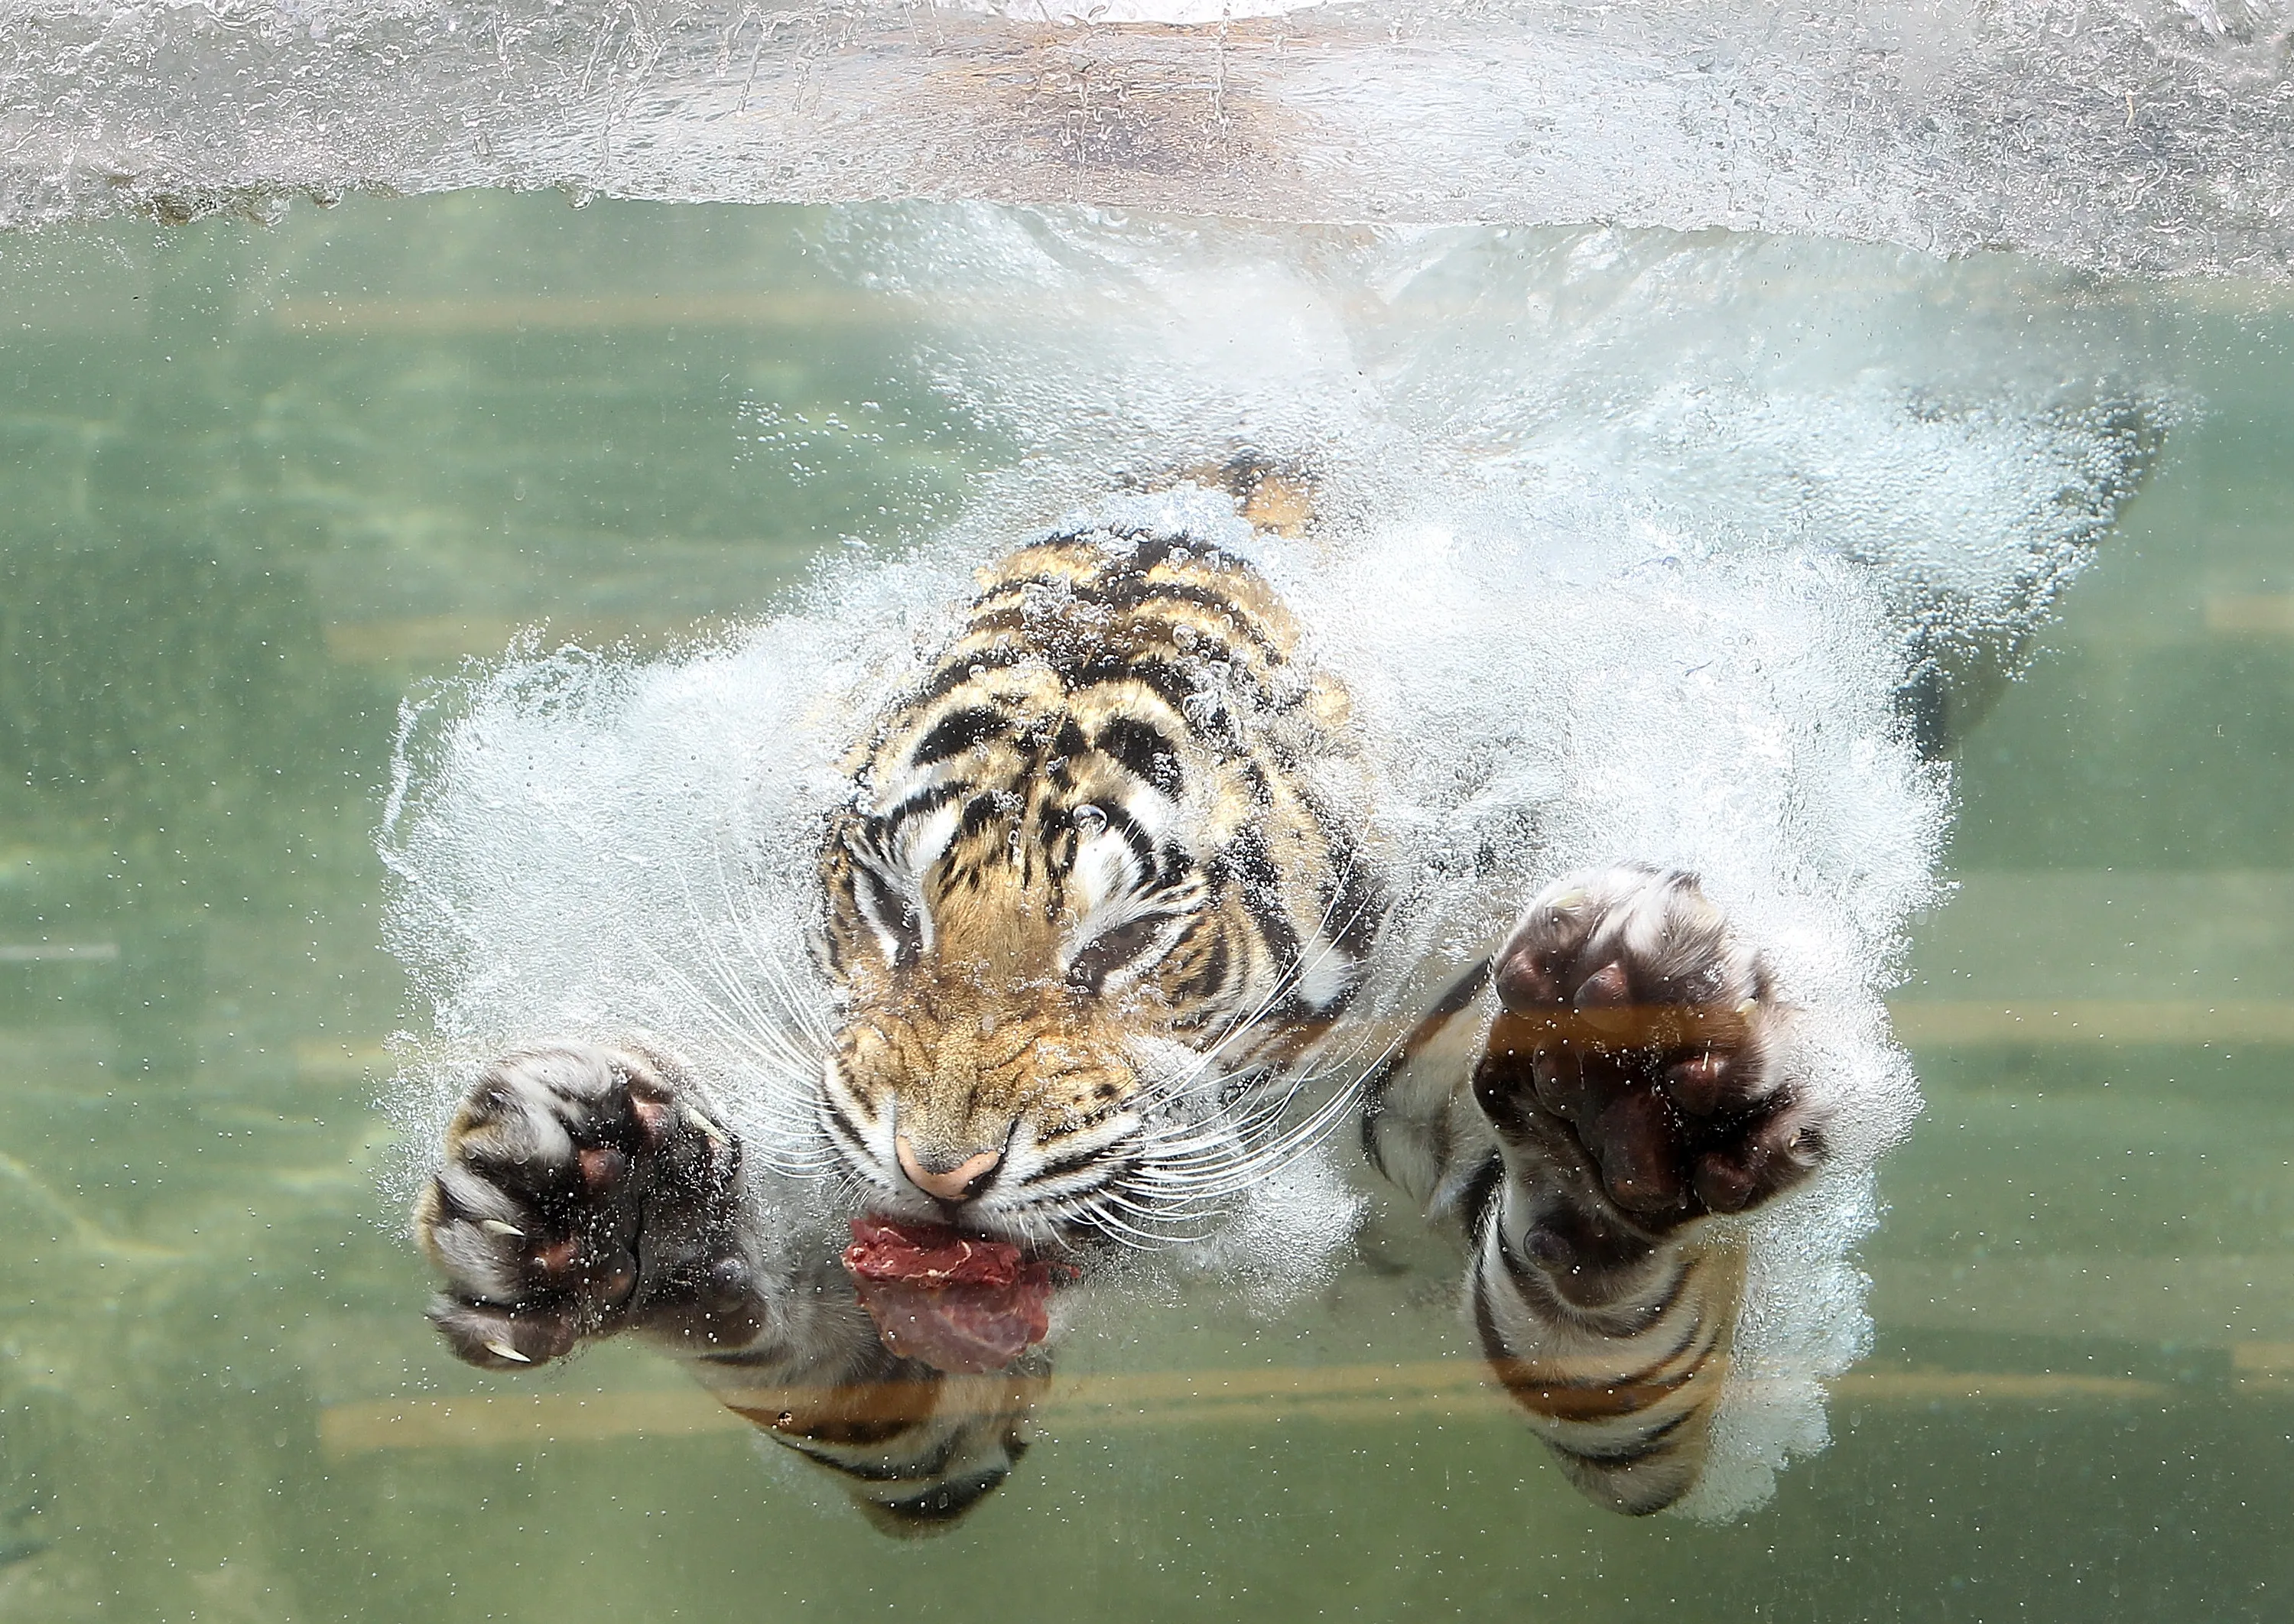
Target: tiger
(1097,900)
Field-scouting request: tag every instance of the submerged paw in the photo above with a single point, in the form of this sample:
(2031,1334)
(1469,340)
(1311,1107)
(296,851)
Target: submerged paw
(1638,1031)
(556,1167)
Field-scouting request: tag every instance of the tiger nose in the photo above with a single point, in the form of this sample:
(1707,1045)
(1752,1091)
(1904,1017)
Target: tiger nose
(960,1183)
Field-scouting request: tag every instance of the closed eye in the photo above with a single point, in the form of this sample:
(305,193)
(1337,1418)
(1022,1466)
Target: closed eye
(1113,950)
(893,918)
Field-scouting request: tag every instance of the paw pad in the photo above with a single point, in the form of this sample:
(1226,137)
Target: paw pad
(574,1176)
(1636,1043)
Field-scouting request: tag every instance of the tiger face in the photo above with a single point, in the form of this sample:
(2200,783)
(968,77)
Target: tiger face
(1084,900)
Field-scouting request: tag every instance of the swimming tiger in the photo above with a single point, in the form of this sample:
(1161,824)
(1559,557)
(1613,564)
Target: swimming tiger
(1102,890)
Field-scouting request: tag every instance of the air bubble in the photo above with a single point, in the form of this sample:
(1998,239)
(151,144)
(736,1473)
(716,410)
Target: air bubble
(1854,465)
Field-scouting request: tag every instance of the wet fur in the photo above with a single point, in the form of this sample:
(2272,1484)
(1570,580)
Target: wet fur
(1101,887)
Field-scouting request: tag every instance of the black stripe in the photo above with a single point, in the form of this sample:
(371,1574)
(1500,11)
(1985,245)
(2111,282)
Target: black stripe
(1156,547)
(963,668)
(929,1465)
(891,913)
(929,798)
(978,813)
(1169,683)
(838,1120)
(1461,991)
(1501,1355)
(1067,1129)
(1211,978)
(1003,608)
(958,732)
(449,1210)
(1372,1110)
(948,1500)
(1549,1303)
(1480,1199)
(1143,749)
(1143,846)
(1351,898)
(1149,548)
(1133,593)
(1631,1454)
(1072,1164)
(1261,890)
(1644,1379)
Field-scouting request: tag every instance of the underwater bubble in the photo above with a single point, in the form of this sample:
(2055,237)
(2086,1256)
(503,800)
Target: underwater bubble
(1648,584)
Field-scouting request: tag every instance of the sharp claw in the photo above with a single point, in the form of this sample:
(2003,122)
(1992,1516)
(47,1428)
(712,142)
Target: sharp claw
(693,1114)
(1804,1146)
(710,1129)
(503,1350)
(508,1231)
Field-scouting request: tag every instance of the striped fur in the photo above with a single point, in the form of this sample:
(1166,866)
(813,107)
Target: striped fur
(1618,1357)
(1092,891)
(1620,1388)
(1101,890)
(1621,1018)
(916,1449)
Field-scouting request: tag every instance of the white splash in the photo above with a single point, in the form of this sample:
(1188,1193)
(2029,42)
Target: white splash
(2117,134)
(1629,542)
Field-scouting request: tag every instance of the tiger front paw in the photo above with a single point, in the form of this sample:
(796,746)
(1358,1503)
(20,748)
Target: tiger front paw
(1636,1054)
(585,1190)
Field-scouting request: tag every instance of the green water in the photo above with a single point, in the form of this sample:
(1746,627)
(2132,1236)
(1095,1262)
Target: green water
(260,481)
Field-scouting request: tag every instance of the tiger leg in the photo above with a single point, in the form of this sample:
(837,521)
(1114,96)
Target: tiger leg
(590,1191)
(1584,1104)
(1632,1079)
(586,1191)
(915,1449)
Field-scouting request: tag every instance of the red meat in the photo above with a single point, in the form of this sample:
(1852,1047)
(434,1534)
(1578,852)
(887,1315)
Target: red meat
(956,1303)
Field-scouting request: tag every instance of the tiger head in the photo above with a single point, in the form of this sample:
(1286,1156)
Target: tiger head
(1083,898)
(1020,966)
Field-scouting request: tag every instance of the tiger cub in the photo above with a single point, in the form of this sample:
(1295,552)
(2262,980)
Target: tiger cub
(1102,889)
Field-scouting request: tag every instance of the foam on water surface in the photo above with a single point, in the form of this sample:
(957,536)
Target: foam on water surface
(1630,545)
(2141,135)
